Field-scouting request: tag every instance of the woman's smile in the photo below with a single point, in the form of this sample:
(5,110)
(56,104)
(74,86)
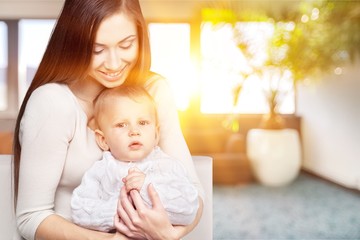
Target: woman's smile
(113,76)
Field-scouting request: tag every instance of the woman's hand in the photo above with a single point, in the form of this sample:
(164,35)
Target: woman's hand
(138,221)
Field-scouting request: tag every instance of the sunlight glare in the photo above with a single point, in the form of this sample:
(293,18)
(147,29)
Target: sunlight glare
(170,49)
(222,65)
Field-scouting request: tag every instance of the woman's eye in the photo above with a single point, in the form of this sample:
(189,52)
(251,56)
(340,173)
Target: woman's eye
(126,45)
(98,51)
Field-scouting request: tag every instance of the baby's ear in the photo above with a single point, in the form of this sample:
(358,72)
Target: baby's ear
(100,139)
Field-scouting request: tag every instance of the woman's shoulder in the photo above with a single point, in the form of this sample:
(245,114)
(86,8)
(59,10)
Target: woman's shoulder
(52,96)
(157,85)
(52,89)
(154,79)
(50,106)
(54,92)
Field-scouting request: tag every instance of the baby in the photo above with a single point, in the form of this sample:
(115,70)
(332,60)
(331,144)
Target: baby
(128,133)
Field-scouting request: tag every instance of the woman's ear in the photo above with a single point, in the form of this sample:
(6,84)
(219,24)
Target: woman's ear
(100,139)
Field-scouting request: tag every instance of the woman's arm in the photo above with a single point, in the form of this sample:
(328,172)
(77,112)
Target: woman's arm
(45,131)
(56,227)
(184,230)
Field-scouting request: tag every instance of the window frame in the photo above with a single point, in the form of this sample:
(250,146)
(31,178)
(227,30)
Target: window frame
(12,70)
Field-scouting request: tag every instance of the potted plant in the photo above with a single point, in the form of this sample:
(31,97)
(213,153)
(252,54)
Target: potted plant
(274,151)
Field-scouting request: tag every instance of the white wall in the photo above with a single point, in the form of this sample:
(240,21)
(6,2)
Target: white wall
(330,114)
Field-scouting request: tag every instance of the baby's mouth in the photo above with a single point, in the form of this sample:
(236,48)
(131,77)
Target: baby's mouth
(135,145)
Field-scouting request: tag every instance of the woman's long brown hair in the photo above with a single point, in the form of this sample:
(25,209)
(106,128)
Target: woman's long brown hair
(69,51)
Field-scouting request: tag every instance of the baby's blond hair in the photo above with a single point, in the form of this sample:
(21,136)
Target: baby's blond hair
(136,93)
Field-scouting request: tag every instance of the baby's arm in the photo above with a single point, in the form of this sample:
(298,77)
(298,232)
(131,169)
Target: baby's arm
(92,206)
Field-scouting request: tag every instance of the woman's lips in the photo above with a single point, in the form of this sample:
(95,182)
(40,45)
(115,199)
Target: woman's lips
(113,76)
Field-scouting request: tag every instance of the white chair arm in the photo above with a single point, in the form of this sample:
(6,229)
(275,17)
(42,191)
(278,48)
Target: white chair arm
(204,169)
(7,213)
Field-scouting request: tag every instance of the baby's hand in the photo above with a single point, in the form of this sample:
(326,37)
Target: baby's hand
(134,180)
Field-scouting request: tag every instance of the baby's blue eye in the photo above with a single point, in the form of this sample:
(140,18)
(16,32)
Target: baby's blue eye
(144,122)
(121,125)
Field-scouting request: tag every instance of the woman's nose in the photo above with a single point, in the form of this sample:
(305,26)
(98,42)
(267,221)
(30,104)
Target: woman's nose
(113,60)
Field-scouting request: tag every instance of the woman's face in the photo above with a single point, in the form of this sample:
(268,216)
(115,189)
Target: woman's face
(115,50)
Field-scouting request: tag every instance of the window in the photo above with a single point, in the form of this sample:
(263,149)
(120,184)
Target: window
(172,56)
(222,65)
(3,66)
(33,39)
(170,49)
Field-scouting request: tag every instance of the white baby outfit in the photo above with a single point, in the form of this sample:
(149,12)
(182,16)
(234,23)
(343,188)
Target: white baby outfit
(94,201)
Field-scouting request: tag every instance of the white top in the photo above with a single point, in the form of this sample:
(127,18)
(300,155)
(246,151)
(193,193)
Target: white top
(94,202)
(58,147)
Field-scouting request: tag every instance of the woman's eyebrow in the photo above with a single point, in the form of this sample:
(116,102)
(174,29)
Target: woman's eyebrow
(127,38)
(130,37)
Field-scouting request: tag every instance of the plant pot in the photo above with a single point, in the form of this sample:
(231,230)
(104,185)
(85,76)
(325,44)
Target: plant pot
(274,155)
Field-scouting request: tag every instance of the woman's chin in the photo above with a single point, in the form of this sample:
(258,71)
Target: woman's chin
(113,82)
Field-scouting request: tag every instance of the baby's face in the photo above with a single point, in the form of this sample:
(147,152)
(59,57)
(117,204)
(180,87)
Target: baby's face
(130,129)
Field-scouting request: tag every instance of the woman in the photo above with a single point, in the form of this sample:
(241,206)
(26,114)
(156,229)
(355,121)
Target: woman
(95,44)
